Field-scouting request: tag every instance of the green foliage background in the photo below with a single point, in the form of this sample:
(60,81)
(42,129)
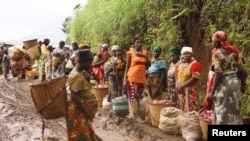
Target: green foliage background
(166,23)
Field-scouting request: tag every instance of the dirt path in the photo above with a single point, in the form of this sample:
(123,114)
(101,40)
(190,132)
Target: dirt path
(20,120)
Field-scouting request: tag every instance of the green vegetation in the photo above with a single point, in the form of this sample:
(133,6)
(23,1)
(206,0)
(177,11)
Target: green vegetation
(166,23)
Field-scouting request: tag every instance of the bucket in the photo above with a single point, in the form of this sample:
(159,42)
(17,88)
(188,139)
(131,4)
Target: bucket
(100,92)
(155,110)
(50,98)
(204,125)
(120,105)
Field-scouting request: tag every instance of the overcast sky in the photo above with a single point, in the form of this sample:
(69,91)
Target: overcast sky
(27,19)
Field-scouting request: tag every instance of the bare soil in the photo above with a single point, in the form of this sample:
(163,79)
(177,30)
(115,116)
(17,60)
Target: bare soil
(21,122)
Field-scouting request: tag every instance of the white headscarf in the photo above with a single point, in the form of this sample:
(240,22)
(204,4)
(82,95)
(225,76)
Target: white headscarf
(186,49)
(114,47)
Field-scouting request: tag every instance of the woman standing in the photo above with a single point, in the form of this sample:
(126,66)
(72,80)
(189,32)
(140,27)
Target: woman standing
(229,81)
(156,74)
(187,75)
(98,68)
(119,69)
(42,60)
(174,56)
(110,74)
(82,107)
(135,76)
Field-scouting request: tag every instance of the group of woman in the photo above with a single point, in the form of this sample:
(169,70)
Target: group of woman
(138,71)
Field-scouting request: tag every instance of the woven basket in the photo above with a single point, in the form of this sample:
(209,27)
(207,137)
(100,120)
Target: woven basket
(155,109)
(100,93)
(15,53)
(204,125)
(30,43)
(33,52)
(50,98)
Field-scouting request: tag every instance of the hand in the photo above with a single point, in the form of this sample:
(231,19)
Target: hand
(140,54)
(180,89)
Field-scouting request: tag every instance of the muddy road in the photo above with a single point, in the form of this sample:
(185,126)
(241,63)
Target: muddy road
(21,122)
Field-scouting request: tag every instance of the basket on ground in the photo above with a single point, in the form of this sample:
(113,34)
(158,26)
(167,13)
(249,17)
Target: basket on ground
(50,98)
(155,109)
(100,92)
(204,124)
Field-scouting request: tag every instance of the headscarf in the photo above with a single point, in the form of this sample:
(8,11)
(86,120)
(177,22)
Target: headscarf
(221,36)
(174,51)
(114,47)
(84,55)
(46,40)
(84,46)
(74,43)
(105,45)
(157,48)
(186,49)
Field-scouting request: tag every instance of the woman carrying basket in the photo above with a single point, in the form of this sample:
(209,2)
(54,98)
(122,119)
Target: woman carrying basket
(82,107)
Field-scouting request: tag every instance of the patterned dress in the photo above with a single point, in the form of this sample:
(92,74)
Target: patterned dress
(172,93)
(226,100)
(189,100)
(154,77)
(78,127)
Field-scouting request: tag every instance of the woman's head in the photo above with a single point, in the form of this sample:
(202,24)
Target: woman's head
(114,48)
(219,39)
(156,51)
(137,43)
(74,45)
(105,47)
(46,41)
(186,53)
(85,58)
(174,54)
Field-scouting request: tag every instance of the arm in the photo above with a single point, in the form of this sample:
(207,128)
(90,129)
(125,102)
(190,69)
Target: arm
(190,82)
(163,75)
(99,63)
(128,61)
(76,99)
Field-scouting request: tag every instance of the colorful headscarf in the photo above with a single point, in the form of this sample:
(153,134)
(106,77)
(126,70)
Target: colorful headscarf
(157,48)
(221,36)
(174,51)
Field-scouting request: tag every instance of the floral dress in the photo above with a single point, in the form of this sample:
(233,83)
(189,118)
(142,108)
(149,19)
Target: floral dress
(78,127)
(189,100)
(226,100)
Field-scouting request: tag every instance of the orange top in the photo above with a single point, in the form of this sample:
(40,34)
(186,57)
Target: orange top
(137,69)
(32,72)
